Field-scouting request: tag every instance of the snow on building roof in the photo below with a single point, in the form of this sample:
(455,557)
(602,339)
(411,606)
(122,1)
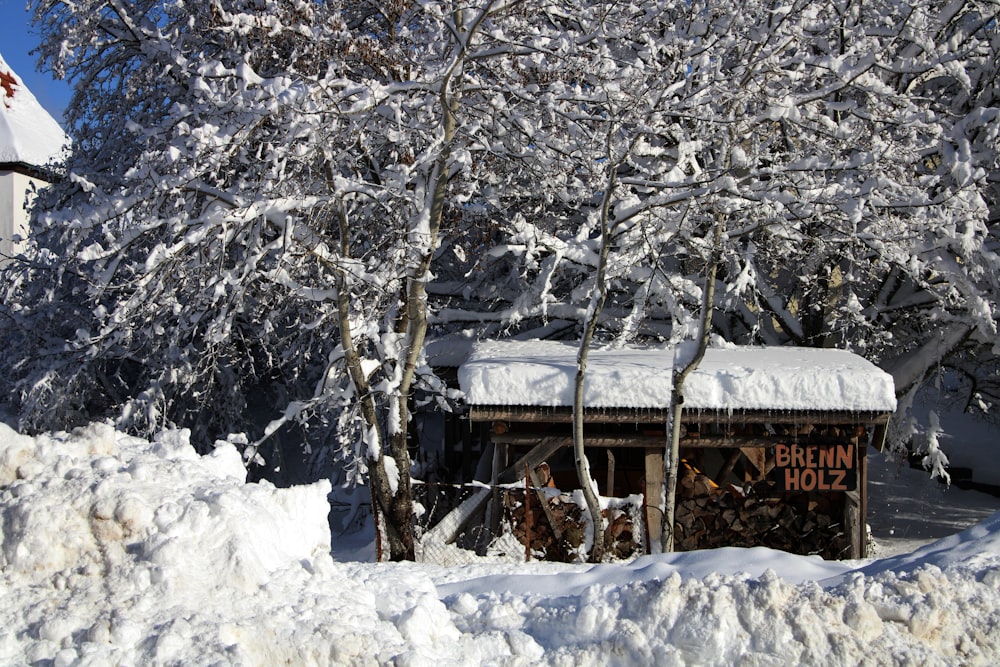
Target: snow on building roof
(788,378)
(542,374)
(28,134)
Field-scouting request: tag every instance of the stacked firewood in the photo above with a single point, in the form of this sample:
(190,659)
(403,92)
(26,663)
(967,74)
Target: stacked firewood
(709,515)
(558,533)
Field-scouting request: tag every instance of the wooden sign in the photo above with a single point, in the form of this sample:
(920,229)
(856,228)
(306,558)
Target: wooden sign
(815,467)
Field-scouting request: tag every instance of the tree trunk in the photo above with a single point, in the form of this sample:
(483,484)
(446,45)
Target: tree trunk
(396,506)
(590,326)
(672,460)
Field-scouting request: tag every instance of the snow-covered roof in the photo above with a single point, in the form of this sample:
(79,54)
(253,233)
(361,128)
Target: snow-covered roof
(542,374)
(28,133)
(788,378)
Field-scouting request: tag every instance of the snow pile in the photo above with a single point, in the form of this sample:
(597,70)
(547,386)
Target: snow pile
(28,134)
(143,552)
(931,617)
(119,551)
(542,373)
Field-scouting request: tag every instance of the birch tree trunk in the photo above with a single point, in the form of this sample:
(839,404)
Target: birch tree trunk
(672,460)
(590,326)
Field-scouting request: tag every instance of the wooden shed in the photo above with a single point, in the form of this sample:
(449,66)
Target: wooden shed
(773,446)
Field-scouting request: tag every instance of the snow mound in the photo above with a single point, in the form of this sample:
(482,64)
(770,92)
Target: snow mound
(116,550)
(89,501)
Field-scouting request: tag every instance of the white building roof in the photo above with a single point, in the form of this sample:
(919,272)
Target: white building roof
(28,133)
(542,374)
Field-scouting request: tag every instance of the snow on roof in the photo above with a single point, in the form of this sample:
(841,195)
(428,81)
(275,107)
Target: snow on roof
(542,373)
(788,378)
(28,134)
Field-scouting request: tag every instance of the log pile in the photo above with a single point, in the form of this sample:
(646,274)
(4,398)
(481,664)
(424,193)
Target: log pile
(710,516)
(557,534)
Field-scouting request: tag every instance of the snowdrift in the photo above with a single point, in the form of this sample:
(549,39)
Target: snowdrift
(115,550)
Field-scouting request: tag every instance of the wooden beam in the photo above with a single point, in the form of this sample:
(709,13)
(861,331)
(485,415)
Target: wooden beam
(496,509)
(609,488)
(451,526)
(653,491)
(863,505)
(525,438)
(543,499)
(798,418)
(544,448)
(564,415)
(879,434)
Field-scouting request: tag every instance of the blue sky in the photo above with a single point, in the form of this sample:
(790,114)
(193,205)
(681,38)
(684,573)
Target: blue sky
(17,39)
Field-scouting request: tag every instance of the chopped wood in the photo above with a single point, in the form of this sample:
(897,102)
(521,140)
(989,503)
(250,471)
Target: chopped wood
(710,516)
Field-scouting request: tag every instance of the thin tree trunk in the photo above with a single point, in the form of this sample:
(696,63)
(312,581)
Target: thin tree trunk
(672,460)
(590,327)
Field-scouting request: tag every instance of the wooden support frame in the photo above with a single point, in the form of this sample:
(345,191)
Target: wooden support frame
(802,428)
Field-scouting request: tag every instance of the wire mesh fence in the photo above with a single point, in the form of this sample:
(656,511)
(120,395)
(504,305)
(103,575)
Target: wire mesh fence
(458,523)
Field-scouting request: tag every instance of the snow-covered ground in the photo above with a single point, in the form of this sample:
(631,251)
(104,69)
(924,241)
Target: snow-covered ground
(118,551)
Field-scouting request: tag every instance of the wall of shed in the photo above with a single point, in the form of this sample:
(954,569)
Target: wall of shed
(17,192)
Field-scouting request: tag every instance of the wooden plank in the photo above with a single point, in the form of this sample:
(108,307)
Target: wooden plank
(543,499)
(863,504)
(496,507)
(545,448)
(653,492)
(564,415)
(524,438)
(448,529)
(756,456)
(609,488)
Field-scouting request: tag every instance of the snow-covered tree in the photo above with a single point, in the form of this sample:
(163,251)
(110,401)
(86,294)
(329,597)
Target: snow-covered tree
(850,148)
(258,191)
(273,201)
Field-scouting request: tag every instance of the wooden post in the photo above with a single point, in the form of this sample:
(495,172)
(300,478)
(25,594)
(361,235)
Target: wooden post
(527,513)
(609,489)
(863,491)
(854,515)
(654,489)
(499,463)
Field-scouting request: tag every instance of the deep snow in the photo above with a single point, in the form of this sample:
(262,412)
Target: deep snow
(120,551)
